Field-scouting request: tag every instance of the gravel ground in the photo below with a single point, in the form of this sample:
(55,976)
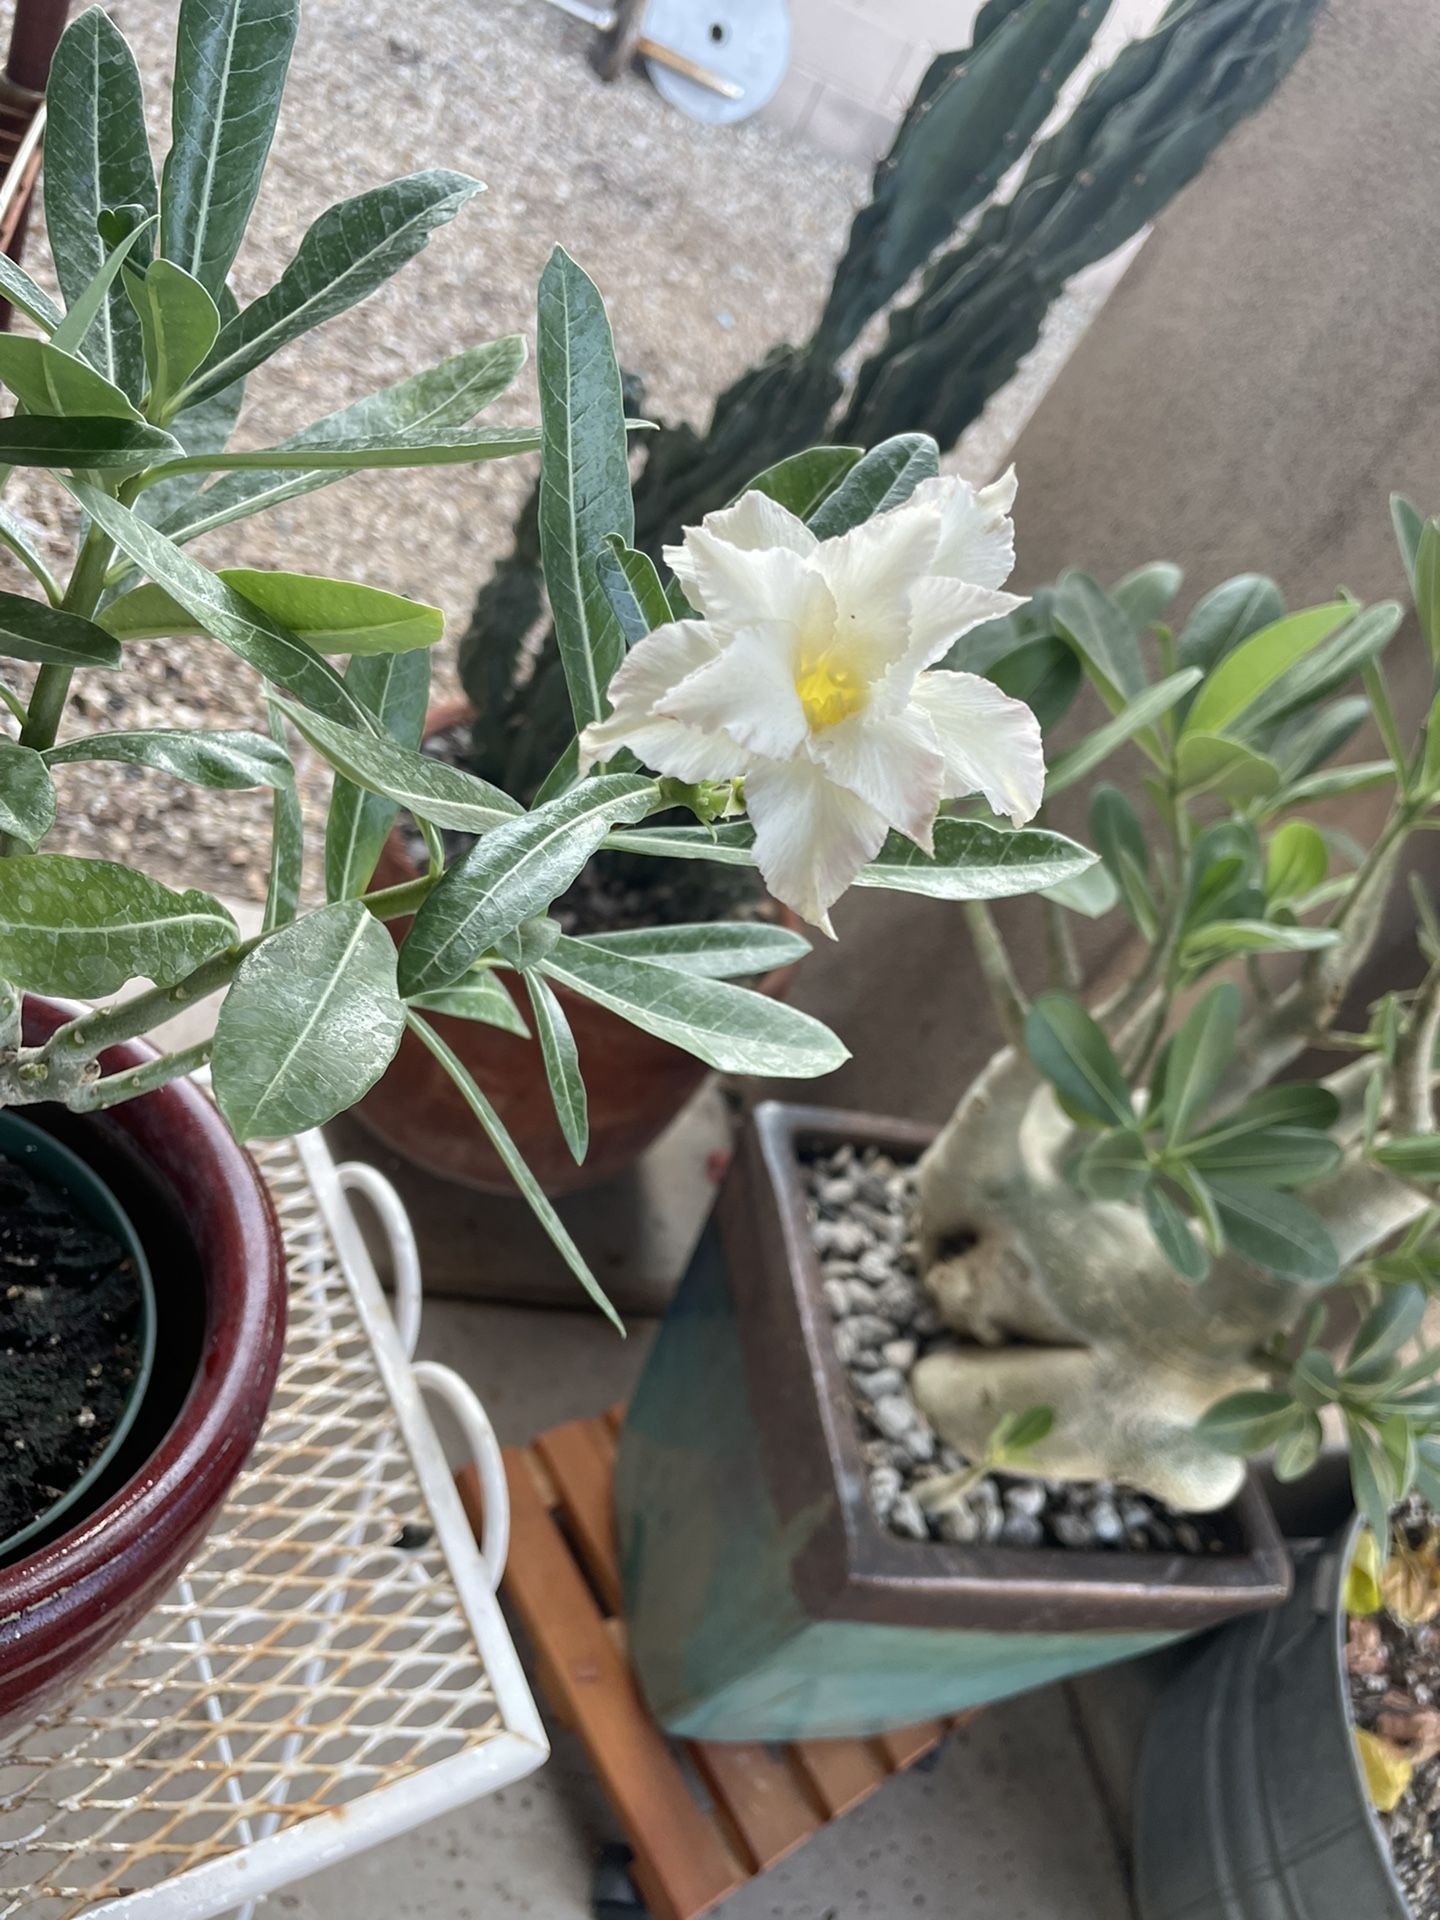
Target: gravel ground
(710,244)
(862,1208)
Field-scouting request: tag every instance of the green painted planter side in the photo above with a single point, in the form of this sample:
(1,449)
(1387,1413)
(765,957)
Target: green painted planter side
(723,1646)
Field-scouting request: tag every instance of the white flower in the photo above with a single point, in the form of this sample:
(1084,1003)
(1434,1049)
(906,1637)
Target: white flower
(807,675)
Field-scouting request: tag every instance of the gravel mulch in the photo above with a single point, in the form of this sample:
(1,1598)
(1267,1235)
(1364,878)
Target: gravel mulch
(711,245)
(862,1210)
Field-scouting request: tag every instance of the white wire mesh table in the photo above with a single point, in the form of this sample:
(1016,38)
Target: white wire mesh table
(332,1668)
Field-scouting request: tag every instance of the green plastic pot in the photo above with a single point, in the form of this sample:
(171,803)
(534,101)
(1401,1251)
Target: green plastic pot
(22,1141)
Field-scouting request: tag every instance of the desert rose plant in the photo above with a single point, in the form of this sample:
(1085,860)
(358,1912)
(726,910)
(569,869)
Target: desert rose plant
(790,714)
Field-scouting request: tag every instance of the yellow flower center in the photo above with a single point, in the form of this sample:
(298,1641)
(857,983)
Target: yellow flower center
(829,690)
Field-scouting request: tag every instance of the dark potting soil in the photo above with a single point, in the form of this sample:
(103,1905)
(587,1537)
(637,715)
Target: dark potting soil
(70,1312)
(618,891)
(1394,1676)
(862,1214)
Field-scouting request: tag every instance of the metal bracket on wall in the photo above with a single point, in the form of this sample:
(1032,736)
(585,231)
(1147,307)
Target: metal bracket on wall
(719,63)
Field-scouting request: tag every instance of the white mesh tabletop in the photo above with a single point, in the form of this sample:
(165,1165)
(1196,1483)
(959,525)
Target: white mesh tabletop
(331,1669)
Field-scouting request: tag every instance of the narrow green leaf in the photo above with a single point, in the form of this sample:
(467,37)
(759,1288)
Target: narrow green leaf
(1175,1236)
(1296,861)
(1114,1167)
(1071,766)
(1220,937)
(516,870)
(395,689)
(1330,782)
(80,316)
(1246,1422)
(1277,1232)
(1414,1156)
(333,616)
(1243,675)
(311,1021)
(1092,893)
(1390,1324)
(801,483)
(1227,615)
(1408,525)
(1143,595)
(884,478)
(27,793)
(509,1153)
(1427,586)
(1101,633)
(425,447)
(16,535)
(1073,1054)
(231,57)
(1019,1433)
(1045,674)
(203,756)
(716,950)
(1267,1156)
(179,323)
(1208,763)
(1329,667)
(1298,1448)
(287,838)
(584,479)
(1373,1480)
(31,630)
(20,290)
(562,1065)
(85,927)
(730,1028)
(99,445)
(632,586)
(476,995)
(1199,1055)
(353,248)
(1119,837)
(1309,739)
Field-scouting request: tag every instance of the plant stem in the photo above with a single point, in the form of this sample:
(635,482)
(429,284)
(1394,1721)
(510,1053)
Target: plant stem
(996,970)
(52,683)
(394,903)
(116,1087)
(88,1036)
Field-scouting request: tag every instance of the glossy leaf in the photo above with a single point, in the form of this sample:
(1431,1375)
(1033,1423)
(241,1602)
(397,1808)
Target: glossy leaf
(352,249)
(1102,634)
(1309,739)
(516,870)
(476,995)
(1046,675)
(231,57)
(92,445)
(1296,861)
(562,1065)
(1225,616)
(20,290)
(27,793)
(80,316)
(311,1021)
(1243,675)
(1329,667)
(730,1028)
(1200,1052)
(884,478)
(1208,763)
(509,1153)
(717,950)
(395,689)
(1175,1236)
(1073,1054)
(85,927)
(447,796)
(584,478)
(1072,766)
(287,840)
(632,586)
(203,756)
(804,481)
(426,447)
(333,616)
(1092,893)
(179,323)
(1277,1232)
(31,630)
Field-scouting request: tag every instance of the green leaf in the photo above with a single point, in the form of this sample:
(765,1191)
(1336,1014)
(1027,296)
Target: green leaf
(444,795)
(221,612)
(1114,1167)
(730,1028)
(1220,937)
(1414,1156)
(1427,586)
(16,535)
(1409,526)
(73,331)
(96,445)
(562,1065)
(1277,1232)
(1243,675)
(1046,675)
(353,248)
(1142,596)
(516,870)
(1267,1156)
(1334,662)
(1313,1378)
(971,861)
(1073,1054)
(1076,762)
(1209,763)
(1296,861)
(439,400)
(27,793)
(1118,835)
(231,58)
(310,1023)
(1102,634)
(509,1154)
(1373,1479)
(179,323)
(1390,1324)
(85,927)
(584,479)
(97,155)
(203,756)
(287,838)
(632,586)
(1092,892)
(1298,1448)
(334,616)
(1019,1433)
(31,630)
(1227,615)
(1175,1236)
(1246,1422)
(803,482)
(425,447)
(1308,740)
(1199,1054)
(884,478)
(716,950)
(1360,777)
(20,290)
(395,689)
(476,995)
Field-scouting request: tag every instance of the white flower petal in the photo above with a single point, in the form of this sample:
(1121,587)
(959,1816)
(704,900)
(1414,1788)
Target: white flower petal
(870,571)
(991,743)
(734,586)
(942,610)
(757,521)
(652,668)
(748,692)
(891,761)
(811,836)
(977,539)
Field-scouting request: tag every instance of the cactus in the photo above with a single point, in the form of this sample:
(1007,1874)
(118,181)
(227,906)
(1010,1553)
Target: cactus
(1143,129)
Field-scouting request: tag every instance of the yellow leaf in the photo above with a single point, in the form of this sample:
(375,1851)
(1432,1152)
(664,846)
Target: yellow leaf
(1362,1581)
(1386,1767)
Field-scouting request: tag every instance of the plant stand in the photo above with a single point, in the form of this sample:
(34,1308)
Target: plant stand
(332,1668)
(701,1819)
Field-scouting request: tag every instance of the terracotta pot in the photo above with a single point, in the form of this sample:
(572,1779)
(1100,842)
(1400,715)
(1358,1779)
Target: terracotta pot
(205,1219)
(763,1599)
(636,1084)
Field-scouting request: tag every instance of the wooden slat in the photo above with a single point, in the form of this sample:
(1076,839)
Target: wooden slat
(757,1793)
(903,1749)
(580,1458)
(682,1865)
(839,1773)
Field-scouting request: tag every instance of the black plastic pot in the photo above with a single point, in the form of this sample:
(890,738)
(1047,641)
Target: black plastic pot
(1249,1800)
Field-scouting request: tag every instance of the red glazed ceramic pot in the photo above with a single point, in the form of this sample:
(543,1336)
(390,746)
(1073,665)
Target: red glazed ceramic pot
(636,1084)
(205,1217)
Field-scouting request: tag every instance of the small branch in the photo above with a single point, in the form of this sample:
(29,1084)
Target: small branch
(83,1039)
(1065,970)
(1412,1110)
(116,1087)
(999,976)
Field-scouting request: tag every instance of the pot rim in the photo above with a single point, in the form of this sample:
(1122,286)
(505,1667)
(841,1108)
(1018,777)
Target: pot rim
(171,1493)
(855,1567)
